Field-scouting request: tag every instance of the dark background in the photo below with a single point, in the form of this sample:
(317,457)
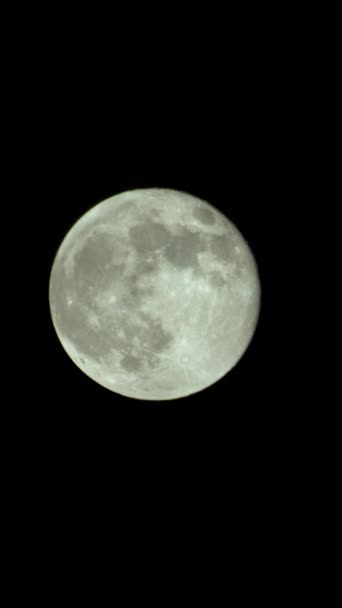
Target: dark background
(216,109)
(219,487)
(223,118)
(230,446)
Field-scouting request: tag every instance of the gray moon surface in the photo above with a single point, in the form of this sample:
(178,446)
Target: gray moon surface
(154,294)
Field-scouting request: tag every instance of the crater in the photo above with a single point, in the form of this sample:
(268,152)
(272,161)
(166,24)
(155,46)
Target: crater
(152,360)
(146,334)
(203,215)
(155,337)
(148,236)
(123,209)
(96,252)
(216,279)
(222,247)
(135,290)
(183,249)
(131,363)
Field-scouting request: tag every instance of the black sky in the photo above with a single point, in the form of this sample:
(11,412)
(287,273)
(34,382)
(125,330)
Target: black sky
(215,111)
(221,131)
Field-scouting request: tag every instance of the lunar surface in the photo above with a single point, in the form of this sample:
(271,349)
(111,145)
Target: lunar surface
(154,294)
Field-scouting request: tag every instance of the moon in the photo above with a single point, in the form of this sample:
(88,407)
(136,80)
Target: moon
(154,294)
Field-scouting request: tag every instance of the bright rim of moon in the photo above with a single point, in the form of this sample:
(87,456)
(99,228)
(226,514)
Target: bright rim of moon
(154,294)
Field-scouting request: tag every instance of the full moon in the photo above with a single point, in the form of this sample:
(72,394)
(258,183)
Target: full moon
(154,294)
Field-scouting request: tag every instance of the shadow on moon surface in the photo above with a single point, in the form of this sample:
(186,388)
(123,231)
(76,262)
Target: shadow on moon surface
(148,236)
(203,215)
(183,249)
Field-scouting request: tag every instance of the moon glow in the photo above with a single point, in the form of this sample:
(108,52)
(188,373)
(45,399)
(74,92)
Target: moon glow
(154,294)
